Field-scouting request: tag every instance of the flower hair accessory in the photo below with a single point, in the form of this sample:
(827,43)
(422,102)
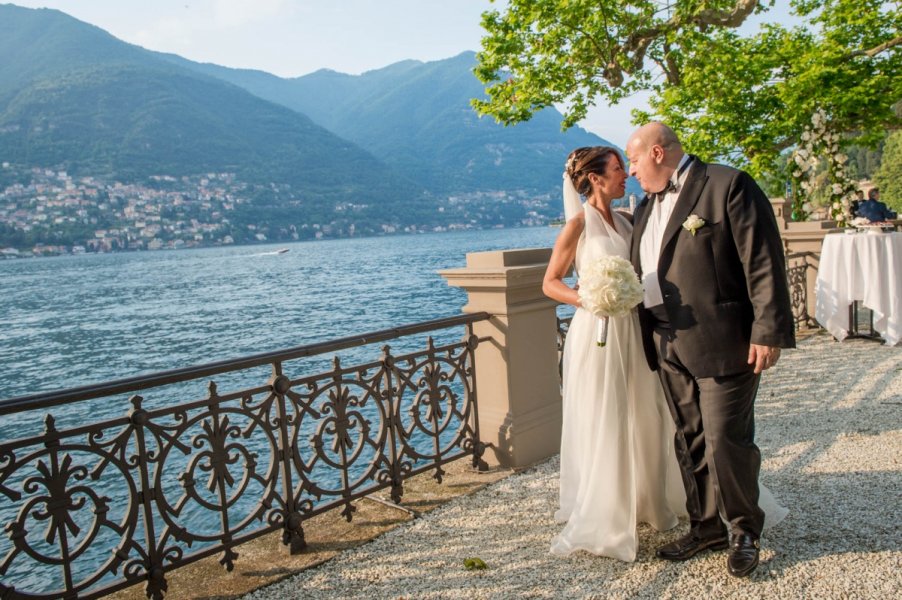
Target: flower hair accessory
(570,165)
(693,223)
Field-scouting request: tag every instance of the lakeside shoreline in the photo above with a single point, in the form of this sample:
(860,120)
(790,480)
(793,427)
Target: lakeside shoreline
(280,243)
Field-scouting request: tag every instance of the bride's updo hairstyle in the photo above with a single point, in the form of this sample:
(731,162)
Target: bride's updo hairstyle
(589,159)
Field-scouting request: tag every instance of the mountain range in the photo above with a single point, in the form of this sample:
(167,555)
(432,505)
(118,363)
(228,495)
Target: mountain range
(416,117)
(74,97)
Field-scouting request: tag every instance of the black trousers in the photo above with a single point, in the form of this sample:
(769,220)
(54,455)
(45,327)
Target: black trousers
(715,442)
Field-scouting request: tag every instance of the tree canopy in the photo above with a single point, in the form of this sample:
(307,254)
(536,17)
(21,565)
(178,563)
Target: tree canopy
(889,176)
(733,96)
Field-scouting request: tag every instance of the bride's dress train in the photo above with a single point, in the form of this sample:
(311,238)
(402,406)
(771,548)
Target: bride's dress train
(618,463)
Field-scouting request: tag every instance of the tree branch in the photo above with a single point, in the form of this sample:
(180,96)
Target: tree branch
(878,49)
(726,18)
(611,45)
(599,49)
(610,70)
(674,76)
(637,44)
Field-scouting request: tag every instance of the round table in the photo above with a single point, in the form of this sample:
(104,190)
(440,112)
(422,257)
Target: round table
(863,267)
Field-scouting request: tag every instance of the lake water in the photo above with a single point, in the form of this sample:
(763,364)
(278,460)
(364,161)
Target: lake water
(75,320)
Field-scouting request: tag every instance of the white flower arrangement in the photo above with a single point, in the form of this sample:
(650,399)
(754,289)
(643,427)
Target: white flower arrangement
(818,139)
(693,223)
(609,287)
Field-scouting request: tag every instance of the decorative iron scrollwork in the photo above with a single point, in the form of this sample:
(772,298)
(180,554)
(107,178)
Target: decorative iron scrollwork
(797,267)
(104,505)
(563,326)
(65,516)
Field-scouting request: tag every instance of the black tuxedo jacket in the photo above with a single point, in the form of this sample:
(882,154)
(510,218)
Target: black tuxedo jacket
(724,287)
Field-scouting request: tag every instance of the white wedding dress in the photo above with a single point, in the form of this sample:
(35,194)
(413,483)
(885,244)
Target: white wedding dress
(618,463)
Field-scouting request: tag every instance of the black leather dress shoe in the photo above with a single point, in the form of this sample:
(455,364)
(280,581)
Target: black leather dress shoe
(743,557)
(689,545)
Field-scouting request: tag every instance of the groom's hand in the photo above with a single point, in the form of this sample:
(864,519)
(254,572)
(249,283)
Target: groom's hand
(763,357)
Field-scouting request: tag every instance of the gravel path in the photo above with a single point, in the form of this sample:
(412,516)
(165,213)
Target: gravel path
(830,430)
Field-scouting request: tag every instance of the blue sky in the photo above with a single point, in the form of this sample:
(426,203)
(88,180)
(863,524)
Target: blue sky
(295,37)
(288,37)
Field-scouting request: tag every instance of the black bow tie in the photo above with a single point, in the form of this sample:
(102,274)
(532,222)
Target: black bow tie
(672,186)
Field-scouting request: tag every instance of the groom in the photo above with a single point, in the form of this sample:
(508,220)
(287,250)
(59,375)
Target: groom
(715,315)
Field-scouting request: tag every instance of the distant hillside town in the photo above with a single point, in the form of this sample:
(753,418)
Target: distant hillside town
(49,212)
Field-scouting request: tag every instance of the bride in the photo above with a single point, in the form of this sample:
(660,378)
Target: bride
(618,463)
(618,466)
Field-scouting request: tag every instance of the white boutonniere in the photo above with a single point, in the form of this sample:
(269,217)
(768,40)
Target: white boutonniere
(693,223)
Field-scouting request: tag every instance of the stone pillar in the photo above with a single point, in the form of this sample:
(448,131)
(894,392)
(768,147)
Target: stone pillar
(808,236)
(803,236)
(782,211)
(517,381)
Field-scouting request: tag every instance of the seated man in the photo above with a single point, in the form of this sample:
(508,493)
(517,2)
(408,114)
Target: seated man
(873,209)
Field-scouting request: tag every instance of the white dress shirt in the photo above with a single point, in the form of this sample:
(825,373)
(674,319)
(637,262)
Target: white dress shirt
(653,236)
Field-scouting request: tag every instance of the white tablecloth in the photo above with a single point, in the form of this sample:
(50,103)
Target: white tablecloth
(866,267)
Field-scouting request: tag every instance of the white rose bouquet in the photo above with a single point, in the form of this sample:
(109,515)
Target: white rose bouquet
(609,287)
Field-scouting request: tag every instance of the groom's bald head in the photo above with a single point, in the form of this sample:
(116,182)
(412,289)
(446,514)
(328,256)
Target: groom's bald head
(654,151)
(656,134)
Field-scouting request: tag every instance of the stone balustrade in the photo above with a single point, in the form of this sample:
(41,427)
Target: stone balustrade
(517,379)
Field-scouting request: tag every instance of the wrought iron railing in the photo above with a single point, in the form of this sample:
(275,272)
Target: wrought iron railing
(799,265)
(97,505)
(563,326)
